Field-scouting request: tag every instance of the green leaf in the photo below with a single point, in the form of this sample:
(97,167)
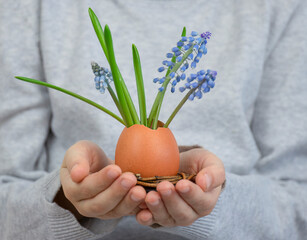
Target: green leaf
(117,76)
(139,84)
(99,32)
(72,94)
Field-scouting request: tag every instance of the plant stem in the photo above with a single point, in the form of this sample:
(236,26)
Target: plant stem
(179,106)
(72,94)
(159,98)
(115,100)
(155,110)
(139,84)
(99,32)
(117,76)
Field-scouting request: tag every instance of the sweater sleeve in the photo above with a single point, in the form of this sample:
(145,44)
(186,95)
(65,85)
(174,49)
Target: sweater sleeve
(270,203)
(27,187)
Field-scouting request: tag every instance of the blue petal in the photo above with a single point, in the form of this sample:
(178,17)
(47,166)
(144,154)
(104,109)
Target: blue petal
(169,55)
(193,65)
(193,76)
(193,33)
(198,94)
(204,85)
(211,83)
(180,44)
(207,89)
(161,69)
(156,80)
(172,74)
(183,68)
(181,89)
(178,59)
(194,84)
(191,39)
(175,49)
(191,97)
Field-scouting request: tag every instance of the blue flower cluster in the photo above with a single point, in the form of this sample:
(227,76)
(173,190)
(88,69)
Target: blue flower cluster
(185,55)
(201,82)
(102,77)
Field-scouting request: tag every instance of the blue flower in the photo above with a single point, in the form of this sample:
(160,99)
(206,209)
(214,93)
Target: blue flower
(188,52)
(102,77)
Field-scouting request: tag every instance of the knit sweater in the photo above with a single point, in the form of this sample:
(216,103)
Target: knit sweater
(254,119)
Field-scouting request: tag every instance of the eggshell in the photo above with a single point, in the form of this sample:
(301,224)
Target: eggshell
(148,152)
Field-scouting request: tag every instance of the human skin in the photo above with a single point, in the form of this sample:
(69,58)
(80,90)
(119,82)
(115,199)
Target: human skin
(93,186)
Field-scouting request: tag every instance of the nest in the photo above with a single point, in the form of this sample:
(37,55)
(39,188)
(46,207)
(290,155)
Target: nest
(151,183)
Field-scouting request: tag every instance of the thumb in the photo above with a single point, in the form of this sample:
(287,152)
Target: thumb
(210,177)
(83,158)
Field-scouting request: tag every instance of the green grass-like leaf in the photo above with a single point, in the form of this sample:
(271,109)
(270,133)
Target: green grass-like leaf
(139,84)
(99,32)
(117,76)
(72,94)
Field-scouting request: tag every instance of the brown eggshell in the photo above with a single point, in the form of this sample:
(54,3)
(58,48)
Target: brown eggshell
(148,152)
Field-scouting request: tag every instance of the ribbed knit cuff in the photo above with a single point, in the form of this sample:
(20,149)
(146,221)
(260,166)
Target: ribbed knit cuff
(62,223)
(200,229)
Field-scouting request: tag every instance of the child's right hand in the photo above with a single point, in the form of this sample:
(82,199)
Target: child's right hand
(95,186)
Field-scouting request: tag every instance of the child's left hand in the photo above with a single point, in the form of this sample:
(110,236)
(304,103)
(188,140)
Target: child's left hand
(184,203)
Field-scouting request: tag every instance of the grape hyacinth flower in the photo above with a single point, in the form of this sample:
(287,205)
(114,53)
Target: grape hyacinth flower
(187,53)
(177,68)
(102,77)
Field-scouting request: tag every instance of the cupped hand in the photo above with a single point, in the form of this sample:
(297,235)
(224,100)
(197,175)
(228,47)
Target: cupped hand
(95,186)
(184,203)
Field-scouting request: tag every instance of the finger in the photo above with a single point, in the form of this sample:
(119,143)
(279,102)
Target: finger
(210,177)
(105,201)
(129,205)
(91,185)
(195,160)
(178,209)
(202,202)
(144,217)
(83,158)
(158,210)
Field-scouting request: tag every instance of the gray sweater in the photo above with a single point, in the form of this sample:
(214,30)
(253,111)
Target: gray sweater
(254,119)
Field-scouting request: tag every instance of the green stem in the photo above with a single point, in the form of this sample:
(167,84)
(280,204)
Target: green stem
(117,76)
(159,98)
(129,101)
(72,94)
(115,100)
(99,32)
(179,106)
(158,102)
(139,84)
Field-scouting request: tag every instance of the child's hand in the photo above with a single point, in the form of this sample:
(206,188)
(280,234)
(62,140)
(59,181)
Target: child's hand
(96,187)
(186,202)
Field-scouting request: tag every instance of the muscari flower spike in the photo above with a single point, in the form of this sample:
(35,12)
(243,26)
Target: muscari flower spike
(187,54)
(102,77)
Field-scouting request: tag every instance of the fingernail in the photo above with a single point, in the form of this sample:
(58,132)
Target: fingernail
(185,189)
(208,181)
(126,183)
(166,192)
(136,198)
(112,174)
(74,166)
(154,203)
